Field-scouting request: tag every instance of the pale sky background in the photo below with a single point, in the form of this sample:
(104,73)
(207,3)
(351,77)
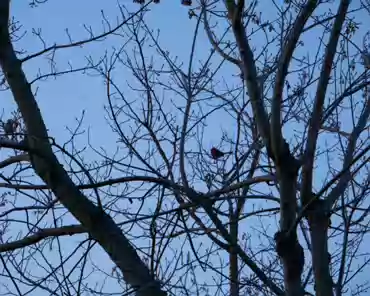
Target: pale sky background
(62,100)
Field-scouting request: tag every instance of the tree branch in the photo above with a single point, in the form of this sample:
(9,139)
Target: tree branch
(100,225)
(316,117)
(283,65)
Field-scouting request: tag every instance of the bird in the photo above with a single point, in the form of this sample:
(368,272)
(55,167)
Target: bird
(10,127)
(216,153)
(186,2)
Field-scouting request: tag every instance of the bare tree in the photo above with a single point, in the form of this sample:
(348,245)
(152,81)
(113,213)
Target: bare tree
(283,87)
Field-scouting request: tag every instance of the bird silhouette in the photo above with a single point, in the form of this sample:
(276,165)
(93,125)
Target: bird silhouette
(216,153)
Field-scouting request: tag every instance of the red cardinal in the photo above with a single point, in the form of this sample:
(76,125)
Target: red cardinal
(186,2)
(216,154)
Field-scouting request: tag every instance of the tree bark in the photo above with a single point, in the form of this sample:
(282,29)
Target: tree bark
(287,244)
(318,221)
(100,226)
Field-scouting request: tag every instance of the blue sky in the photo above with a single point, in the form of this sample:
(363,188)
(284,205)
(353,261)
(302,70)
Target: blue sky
(62,100)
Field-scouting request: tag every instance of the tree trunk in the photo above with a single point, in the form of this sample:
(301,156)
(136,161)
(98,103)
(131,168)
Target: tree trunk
(100,226)
(318,222)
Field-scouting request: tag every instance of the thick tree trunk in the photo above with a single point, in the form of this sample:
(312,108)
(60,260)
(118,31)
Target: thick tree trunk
(287,244)
(99,225)
(318,221)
